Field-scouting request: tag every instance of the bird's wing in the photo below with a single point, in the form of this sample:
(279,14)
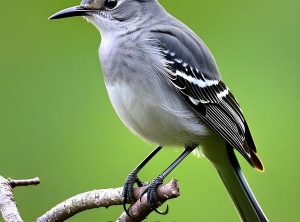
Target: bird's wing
(203,90)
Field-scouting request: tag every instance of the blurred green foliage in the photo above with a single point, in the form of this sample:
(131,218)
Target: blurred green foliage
(56,121)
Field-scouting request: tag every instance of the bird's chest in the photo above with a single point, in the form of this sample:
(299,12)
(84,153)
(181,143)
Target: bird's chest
(143,99)
(157,118)
(139,110)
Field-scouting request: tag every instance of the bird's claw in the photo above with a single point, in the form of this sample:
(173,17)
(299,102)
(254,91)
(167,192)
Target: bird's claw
(127,193)
(152,194)
(162,212)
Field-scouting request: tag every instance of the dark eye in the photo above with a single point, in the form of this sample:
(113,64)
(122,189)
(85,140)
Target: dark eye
(110,4)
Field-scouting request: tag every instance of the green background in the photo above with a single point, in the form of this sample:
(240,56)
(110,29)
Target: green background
(57,123)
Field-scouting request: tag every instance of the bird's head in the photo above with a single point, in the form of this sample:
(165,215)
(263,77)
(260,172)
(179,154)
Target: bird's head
(111,15)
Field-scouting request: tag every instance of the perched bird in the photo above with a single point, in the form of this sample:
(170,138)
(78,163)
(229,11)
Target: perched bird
(165,86)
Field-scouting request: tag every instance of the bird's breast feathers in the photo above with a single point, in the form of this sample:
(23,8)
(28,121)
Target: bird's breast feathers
(146,110)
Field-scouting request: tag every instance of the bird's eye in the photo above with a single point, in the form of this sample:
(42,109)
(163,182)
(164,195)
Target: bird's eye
(110,4)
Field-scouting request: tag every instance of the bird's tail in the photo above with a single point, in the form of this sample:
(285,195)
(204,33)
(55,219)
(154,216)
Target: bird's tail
(239,190)
(230,172)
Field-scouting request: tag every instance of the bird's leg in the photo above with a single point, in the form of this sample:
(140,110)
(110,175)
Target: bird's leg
(132,178)
(152,187)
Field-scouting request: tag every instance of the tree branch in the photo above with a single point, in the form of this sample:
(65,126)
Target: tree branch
(8,206)
(139,210)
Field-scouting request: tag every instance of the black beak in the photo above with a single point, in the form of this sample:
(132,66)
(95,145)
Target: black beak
(70,12)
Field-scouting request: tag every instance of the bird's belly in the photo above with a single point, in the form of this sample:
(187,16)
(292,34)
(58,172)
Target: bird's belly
(148,113)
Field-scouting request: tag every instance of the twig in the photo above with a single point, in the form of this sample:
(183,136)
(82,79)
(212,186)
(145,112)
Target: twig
(18,183)
(139,210)
(8,207)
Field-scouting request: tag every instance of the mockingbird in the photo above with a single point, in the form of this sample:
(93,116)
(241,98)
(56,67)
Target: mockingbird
(165,86)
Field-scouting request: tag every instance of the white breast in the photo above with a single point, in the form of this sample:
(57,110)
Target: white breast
(140,95)
(149,113)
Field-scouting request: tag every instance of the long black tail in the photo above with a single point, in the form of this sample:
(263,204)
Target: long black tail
(239,190)
(222,156)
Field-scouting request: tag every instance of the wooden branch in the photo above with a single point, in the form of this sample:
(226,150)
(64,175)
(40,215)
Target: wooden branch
(8,206)
(22,183)
(139,210)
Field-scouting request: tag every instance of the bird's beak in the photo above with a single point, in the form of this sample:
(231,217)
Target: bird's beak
(72,11)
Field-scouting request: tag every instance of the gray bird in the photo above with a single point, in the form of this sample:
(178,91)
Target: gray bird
(165,86)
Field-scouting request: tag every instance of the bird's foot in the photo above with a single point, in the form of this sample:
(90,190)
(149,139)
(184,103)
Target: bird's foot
(152,194)
(127,193)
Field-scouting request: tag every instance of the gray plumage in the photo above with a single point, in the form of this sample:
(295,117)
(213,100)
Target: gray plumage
(133,56)
(165,86)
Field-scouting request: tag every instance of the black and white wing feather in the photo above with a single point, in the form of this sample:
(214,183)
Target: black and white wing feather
(210,98)
(203,90)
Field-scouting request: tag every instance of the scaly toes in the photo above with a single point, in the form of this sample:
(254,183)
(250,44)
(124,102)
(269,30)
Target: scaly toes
(152,195)
(127,193)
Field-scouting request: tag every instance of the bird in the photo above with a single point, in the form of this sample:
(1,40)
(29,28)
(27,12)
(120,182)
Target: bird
(165,86)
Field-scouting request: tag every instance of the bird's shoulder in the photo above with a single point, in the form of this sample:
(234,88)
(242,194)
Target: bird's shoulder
(178,38)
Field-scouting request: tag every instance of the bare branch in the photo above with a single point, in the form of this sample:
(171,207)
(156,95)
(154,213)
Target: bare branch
(8,207)
(18,183)
(139,210)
